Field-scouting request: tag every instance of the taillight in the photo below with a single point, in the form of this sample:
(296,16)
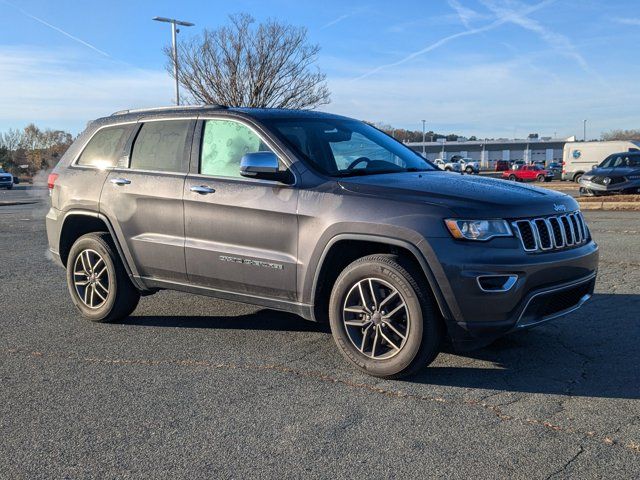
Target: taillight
(51,181)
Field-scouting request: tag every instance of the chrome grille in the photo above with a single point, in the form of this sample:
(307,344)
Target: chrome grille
(552,233)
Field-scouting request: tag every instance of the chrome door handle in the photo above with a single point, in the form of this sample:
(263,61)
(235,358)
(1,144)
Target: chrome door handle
(202,189)
(120,181)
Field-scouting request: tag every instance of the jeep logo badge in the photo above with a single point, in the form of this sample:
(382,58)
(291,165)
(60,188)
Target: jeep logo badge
(559,208)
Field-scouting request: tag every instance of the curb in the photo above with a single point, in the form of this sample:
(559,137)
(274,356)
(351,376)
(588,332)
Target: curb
(630,206)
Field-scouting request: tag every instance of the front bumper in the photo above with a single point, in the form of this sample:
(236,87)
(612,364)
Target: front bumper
(548,285)
(586,185)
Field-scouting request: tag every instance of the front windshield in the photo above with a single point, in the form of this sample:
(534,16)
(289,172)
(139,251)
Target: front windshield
(342,147)
(621,160)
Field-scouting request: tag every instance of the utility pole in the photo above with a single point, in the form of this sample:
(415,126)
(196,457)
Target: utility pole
(174,46)
(424,138)
(584,130)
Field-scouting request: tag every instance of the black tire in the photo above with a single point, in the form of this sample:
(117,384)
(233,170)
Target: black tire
(10,187)
(577,177)
(121,298)
(448,169)
(424,333)
(540,178)
(513,178)
(469,170)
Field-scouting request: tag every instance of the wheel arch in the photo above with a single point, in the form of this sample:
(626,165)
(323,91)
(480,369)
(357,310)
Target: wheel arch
(335,257)
(81,222)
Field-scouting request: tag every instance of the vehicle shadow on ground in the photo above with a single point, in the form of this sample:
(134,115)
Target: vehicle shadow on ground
(271,320)
(593,352)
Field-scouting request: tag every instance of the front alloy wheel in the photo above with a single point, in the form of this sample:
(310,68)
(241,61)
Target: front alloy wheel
(376,318)
(383,318)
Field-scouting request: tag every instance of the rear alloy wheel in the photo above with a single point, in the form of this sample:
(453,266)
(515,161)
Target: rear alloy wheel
(98,283)
(540,178)
(577,178)
(381,318)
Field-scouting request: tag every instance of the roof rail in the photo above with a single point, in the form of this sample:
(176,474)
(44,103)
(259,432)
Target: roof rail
(171,107)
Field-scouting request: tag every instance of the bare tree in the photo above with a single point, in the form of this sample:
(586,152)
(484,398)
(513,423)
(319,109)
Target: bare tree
(621,135)
(270,64)
(11,139)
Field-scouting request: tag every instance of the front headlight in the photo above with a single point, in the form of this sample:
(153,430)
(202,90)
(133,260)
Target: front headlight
(478,229)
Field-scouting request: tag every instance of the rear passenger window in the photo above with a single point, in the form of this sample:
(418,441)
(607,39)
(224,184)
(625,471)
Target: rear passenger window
(104,148)
(161,146)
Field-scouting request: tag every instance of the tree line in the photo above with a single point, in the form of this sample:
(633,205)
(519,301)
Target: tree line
(27,151)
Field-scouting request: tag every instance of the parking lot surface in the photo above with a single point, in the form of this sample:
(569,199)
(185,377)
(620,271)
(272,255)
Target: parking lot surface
(191,387)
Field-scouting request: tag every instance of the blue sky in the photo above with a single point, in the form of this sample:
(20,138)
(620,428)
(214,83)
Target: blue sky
(497,68)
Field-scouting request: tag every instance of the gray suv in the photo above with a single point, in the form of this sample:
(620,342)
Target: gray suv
(315,214)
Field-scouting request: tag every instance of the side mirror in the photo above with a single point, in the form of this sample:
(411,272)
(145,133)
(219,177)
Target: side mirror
(263,165)
(594,166)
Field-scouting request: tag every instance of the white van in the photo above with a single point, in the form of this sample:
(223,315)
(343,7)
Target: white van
(580,157)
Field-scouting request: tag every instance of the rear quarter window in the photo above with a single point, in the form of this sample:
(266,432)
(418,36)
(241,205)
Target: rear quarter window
(105,147)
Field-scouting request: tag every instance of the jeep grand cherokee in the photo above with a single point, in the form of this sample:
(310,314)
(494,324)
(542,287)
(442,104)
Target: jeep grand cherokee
(315,214)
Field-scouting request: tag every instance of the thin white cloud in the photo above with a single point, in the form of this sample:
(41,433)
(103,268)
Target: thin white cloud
(443,41)
(336,20)
(509,11)
(58,29)
(63,88)
(466,15)
(489,98)
(627,21)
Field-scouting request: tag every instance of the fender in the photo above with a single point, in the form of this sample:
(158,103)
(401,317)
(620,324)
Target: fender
(123,252)
(426,268)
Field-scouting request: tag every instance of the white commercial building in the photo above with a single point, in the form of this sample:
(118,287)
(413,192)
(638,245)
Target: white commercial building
(487,152)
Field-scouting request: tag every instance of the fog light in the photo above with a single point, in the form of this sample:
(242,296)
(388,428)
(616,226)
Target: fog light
(496,283)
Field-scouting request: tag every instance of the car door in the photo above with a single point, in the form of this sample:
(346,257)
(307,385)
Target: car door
(240,233)
(143,198)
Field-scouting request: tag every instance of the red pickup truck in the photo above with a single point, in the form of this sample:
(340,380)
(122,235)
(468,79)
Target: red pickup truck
(528,173)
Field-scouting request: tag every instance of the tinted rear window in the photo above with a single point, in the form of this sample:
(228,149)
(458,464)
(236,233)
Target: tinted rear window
(161,146)
(105,147)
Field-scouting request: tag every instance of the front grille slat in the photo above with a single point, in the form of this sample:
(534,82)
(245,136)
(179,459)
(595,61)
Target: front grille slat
(552,233)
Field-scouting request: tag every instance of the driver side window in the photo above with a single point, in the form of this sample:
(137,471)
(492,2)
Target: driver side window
(224,143)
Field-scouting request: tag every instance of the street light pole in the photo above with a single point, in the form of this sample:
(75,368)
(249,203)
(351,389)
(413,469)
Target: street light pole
(174,47)
(584,130)
(424,138)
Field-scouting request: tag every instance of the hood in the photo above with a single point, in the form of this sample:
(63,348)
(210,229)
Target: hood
(465,195)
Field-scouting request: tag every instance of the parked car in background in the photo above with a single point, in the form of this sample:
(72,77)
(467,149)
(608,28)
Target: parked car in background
(580,157)
(460,164)
(6,180)
(516,164)
(469,165)
(618,173)
(528,173)
(556,168)
(503,165)
(447,166)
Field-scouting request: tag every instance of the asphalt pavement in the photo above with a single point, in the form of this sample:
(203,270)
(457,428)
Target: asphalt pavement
(193,387)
